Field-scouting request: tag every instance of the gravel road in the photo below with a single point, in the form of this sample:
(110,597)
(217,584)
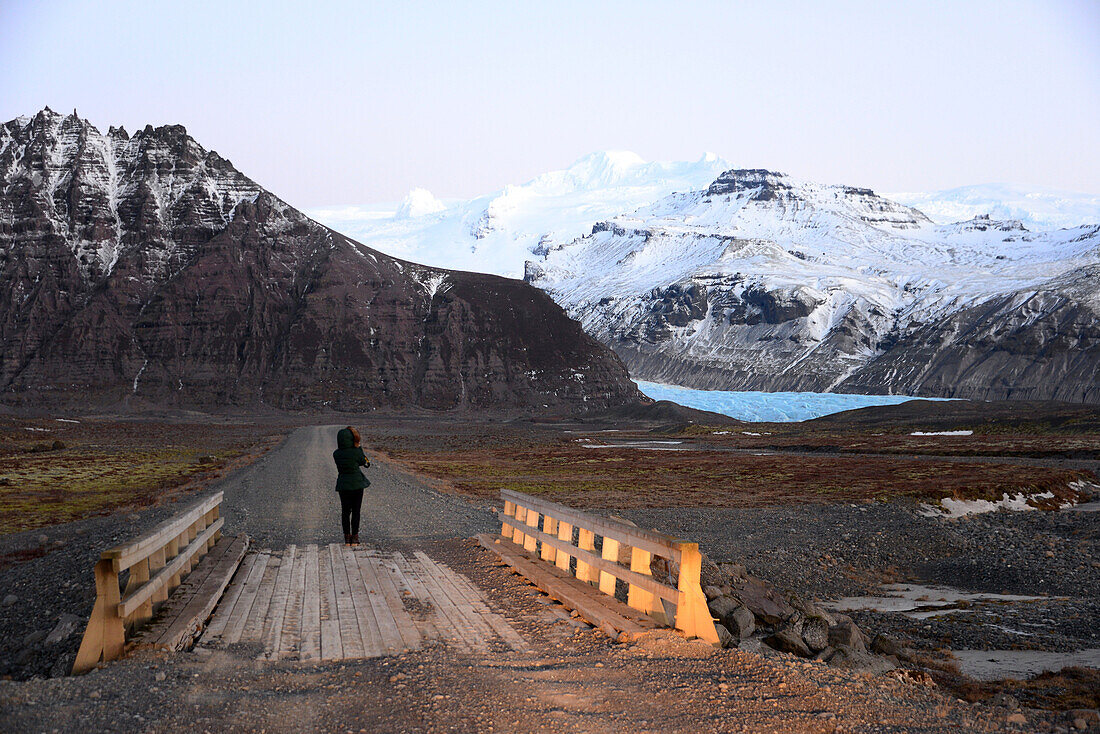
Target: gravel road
(287,497)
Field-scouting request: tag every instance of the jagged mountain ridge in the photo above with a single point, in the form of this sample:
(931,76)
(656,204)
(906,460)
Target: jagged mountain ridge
(148,266)
(767,282)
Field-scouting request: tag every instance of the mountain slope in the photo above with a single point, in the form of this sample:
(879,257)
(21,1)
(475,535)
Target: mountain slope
(767,282)
(147,266)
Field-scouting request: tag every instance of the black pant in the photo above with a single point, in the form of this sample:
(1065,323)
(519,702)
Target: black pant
(350,502)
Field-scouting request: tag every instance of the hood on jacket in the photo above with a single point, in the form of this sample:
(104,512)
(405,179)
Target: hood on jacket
(344,439)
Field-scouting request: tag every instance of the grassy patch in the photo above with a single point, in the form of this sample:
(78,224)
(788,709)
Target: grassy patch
(102,466)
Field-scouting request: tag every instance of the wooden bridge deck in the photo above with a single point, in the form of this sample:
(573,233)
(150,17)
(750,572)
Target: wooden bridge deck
(334,603)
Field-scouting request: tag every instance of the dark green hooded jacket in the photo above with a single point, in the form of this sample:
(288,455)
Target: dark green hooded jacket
(348,459)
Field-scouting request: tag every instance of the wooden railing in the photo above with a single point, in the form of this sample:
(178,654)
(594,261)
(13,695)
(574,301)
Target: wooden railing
(567,533)
(157,563)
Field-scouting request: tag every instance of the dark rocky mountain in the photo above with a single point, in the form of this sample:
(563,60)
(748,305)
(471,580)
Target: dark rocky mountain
(147,267)
(765,282)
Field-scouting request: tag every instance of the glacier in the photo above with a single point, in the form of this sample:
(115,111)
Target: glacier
(1037,208)
(497,233)
(753,406)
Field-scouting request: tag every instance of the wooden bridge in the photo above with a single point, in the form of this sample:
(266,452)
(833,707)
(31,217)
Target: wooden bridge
(185,582)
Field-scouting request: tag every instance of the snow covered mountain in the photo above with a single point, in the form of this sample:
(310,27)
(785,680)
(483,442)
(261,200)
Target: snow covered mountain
(1035,207)
(147,267)
(765,282)
(498,232)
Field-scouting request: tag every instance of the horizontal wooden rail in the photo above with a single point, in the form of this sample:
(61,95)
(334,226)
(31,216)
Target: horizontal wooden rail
(143,593)
(548,529)
(157,563)
(125,556)
(648,540)
(635,578)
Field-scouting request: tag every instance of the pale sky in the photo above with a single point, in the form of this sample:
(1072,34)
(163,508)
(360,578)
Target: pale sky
(353,102)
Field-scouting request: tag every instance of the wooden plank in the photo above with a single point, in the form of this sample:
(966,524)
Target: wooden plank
(290,641)
(311,607)
(469,633)
(387,625)
(124,556)
(425,626)
(331,645)
(650,540)
(243,607)
(350,636)
(448,630)
(254,627)
(473,596)
(588,602)
(176,632)
(392,594)
(224,611)
(444,579)
(273,628)
(368,624)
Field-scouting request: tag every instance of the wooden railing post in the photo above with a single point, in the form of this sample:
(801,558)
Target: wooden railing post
(507,530)
(156,563)
(692,615)
(565,532)
(106,634)
(550,527)
(532,520)
(610,553)
(586,540)
(637,597)
(521,519)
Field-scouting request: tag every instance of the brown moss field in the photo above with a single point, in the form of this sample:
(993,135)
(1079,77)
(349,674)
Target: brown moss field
(722,474)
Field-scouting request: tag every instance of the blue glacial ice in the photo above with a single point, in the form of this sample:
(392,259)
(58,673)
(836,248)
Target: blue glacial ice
(767,407)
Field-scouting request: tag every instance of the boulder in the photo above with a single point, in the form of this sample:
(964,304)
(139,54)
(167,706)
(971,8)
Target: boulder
(815,633)
(722,606)
(863,662)
(764,602)
(741,623)
(810,609)
(885,645)
(725,639)
(847,634)
(712,592)
(788,641)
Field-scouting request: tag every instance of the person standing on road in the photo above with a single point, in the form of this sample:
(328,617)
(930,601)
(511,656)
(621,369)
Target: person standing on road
(351,481)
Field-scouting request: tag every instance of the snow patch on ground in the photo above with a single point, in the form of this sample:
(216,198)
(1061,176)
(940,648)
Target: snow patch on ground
(952,508)
(942,433)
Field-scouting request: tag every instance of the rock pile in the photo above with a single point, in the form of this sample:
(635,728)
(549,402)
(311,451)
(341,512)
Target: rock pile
(748,607)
